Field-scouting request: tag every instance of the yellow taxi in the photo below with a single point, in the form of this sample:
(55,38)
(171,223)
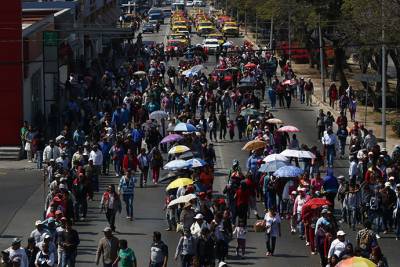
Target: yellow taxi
(218,36)
(230,28)
(205,27)
(183,38)
(180,25)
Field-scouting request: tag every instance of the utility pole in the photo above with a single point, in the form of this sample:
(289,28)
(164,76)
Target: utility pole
(321,59)
(290,39)
(256,28)
(383,110)
(270,34)
(245,21)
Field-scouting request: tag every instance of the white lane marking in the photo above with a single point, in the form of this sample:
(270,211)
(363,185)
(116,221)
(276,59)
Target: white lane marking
(219,183)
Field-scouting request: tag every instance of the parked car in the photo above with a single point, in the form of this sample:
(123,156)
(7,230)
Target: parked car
(148,27)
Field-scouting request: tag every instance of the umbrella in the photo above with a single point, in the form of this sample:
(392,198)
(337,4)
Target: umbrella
(272,166)
(248,80)
(289,129)
(254,145)
(250,65)
(176,165)
(228,44)
(140,72)
(184,127)
(171,138)
(170,176)
(187,155)
(316,203)
(158,115)
(178,149)
(196,162)
(193,70)
(292,153)
(179,183)
(275,121)
(275,157)
(288,171)
(249,112)
(289,82)
(356,262)
(182,199)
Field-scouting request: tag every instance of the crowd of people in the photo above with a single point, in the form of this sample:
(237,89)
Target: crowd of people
(123,117)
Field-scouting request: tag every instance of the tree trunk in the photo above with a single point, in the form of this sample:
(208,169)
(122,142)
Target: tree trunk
(339,62)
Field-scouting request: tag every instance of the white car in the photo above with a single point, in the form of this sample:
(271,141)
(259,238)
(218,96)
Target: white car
(211,45)
(199,3)
(189,3)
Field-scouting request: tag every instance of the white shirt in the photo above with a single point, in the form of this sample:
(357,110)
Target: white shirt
(272,224)
(337,247)
(50,261)
(195,229)
(51,153)
(239,232)
(19,253)
(329,139)
(353,170)
(97,157)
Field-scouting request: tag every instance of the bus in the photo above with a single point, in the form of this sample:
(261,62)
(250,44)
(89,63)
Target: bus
(178,5)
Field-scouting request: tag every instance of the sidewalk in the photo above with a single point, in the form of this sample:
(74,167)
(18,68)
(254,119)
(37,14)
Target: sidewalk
(17,165)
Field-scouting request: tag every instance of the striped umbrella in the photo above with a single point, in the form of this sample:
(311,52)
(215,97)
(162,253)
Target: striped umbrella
(184,127)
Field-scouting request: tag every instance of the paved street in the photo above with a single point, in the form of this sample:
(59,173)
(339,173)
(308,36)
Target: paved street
(27,202)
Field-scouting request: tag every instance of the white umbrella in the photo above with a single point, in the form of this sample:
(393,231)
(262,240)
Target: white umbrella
(139,72)
(275,157)
(176,165)
(158,115)
(291,153)
(182,199)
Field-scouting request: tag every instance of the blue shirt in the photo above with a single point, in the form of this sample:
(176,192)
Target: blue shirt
(127,187)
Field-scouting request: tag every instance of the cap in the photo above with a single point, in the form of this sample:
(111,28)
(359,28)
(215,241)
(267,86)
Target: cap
(294,192)
(222,264)
(199,216)
(340,233)
(387,184)
(392,178)
(16,241)
(46,236)
(38,222)
(370,153)
(397,185)
(340,177)
(107,229)
(324,211)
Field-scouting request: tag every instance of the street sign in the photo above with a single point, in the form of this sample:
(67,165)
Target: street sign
(50,38)
(368,77)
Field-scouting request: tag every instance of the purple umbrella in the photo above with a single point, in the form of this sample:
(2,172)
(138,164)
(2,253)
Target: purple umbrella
(171,138)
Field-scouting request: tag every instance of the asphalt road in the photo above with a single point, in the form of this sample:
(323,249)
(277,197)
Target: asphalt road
(148,204)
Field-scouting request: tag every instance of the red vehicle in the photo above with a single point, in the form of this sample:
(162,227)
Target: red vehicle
(175,45)
(301,55)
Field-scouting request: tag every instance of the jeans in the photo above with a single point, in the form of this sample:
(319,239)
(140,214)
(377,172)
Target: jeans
(300,224)
(186,260)
(387,219)
(39,159)
(106,164)
(352,215)
(270,243)
(330,154)
(68,259)
(81,206)
(342,143)
(376,218)
(128,199)
(117,166)
(222,133)
(213,132)
(110,215)
(302,96)
(143,175)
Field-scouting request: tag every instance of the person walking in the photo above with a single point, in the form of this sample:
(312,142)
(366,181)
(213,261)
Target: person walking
(126,189)
(68,242)
(126,256)
(107,250)
(309,90)
(144,164)
(111,204)
(240,234)
(273,230)
(333,95)
(158,252)
(321,123)
(186,248)
(156,162)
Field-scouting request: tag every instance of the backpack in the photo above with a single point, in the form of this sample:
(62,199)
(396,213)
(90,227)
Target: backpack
(365,237)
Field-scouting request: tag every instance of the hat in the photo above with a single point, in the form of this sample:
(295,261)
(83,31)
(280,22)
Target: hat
(58,175)
(46,236)
(387,184)
(340,233)
(38,222)
(107,229)
(294,192)
(235,161)
(16,241)
(340,177)
(199,216)
(222,264)
(52,160)
(392,178)
(397,185)
(370,153)
(324,211)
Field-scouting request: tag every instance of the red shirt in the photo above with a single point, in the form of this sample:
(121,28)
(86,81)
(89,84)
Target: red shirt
(242,197)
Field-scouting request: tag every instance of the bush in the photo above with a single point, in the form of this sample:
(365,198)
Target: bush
(396,126)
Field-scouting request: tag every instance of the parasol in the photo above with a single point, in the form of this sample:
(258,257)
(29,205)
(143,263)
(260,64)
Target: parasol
(179,183)
(254,145)
(289,129)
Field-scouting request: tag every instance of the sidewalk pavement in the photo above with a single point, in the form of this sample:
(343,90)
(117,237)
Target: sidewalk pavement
(17,165)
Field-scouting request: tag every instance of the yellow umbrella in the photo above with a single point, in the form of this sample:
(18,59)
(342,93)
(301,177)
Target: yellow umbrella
(179,182)
(356,262)
(275,121)
(178,149)
(254,145)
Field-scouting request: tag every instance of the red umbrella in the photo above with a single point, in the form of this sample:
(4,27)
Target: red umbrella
(289,82)
(250,65)
(289,129)
(316,203)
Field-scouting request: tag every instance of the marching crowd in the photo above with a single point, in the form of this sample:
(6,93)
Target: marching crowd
(126,118)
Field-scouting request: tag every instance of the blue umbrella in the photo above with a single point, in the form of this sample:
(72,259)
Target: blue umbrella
(176,165)
(272,166)
(288,171)
(196,162)
(184,127)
